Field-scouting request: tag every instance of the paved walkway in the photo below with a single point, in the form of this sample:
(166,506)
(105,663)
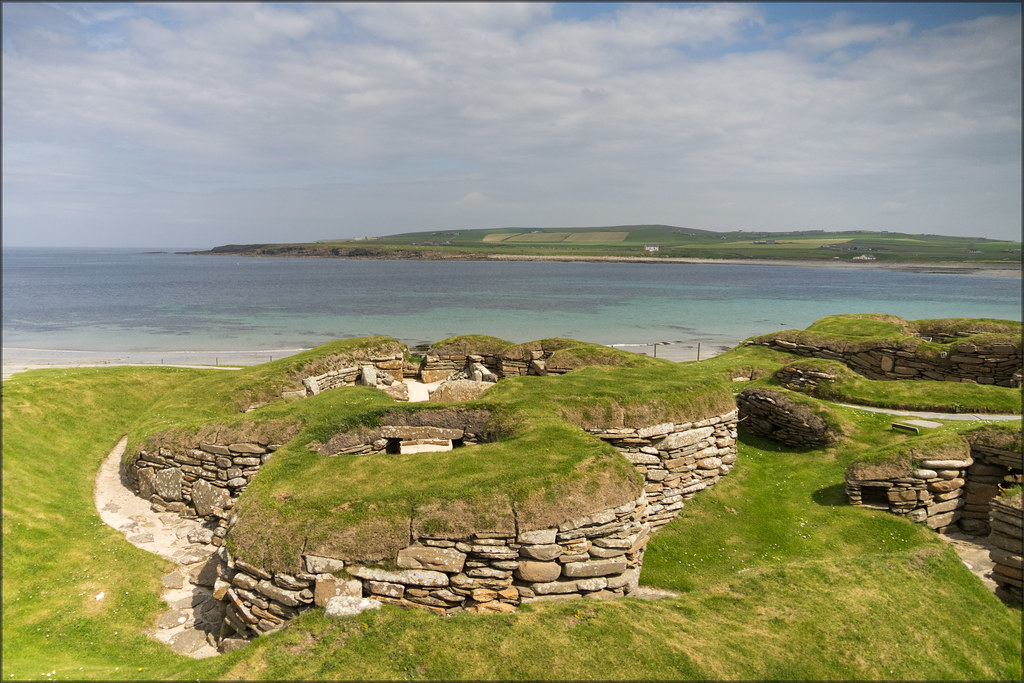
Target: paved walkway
(932,416)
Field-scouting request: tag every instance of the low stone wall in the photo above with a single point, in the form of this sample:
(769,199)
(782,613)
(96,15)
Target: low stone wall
(202,482)
(803,380)
(932,493)
(382,372)
(597,557)
(998,364)
(771,414)
(677,460)
(512,363)
(1007,537)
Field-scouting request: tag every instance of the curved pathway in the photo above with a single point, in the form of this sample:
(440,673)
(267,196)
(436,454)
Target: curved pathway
(192,623)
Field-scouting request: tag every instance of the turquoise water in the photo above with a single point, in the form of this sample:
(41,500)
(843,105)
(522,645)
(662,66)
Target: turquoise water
(126,300)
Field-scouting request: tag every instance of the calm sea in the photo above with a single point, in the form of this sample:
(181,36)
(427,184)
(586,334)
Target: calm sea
(128,300)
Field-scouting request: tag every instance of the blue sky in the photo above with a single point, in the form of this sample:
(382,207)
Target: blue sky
(198,124)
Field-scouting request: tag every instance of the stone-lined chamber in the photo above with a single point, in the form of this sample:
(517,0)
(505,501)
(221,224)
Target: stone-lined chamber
(597,555)
(942,482)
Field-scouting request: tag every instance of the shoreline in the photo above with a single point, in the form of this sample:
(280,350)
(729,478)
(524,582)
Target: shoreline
(987,269)
(16,359)
(1005,269)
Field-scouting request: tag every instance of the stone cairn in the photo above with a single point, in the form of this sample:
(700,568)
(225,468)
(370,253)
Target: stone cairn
(998,363)
(1007,537)
(772,414)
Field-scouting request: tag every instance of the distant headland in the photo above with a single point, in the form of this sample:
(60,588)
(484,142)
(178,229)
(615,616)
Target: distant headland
(667,244)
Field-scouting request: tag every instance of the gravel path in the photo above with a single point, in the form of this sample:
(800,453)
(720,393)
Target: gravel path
(193,620)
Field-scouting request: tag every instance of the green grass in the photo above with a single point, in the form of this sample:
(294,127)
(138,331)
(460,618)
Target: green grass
(925,395)
(778,578)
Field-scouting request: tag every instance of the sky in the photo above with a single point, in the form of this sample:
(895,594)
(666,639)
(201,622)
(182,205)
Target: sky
(199,124)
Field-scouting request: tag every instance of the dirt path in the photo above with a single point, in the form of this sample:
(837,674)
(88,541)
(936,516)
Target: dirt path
(193,620)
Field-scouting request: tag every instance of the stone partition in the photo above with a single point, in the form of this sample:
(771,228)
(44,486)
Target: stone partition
(384,372)
(997,363)
(773,415)
(1007,538)
(993,469)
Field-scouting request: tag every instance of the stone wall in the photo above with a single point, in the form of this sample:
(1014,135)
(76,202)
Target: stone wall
(1007,538)
(941,493)
(202,482)
(676,459)
(803,380)
(993,469)
(932,493)
(771,414)
(512,363)
(597,557)
(383,372)
(998,363)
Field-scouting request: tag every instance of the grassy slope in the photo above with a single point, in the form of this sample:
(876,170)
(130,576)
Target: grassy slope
(770,562)
(673,241)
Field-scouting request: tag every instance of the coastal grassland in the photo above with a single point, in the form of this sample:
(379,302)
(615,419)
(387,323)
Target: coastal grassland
(778,578)
(627,241)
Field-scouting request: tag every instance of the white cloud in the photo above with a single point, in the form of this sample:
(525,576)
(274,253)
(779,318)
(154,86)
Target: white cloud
(386,111)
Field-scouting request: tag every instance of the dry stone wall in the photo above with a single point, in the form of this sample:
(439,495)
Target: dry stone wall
(383,372)
(1007,537)
(597,556)
(941,493)
(992,470)
(997,363)
(771,414)
(932,493)
(677,459)
(201,482)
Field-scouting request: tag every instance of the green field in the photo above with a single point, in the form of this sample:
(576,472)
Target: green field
(627,241)
(775,577)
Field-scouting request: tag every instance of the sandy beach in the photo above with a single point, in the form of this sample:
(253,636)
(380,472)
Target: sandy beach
(1009,269)
(17,360)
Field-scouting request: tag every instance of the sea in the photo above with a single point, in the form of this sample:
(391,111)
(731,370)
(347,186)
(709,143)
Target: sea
(133,305)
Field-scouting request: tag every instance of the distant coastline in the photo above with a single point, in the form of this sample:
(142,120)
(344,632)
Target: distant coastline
(988,269)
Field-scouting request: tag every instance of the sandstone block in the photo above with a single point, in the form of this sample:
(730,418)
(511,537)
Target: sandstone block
(285,597)
(554,587)
(206,497)
(414,577)
(595,568)
(433,559)
(390,590)
(541,552)
(945,485)
(348,606)
(315,564)
(534,572)
(167,483)
(328,587)
(687,438)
